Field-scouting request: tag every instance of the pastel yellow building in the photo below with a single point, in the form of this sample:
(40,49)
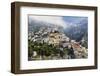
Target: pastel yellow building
(55,38)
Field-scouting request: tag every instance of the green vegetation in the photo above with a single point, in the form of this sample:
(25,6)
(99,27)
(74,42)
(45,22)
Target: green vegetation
(45,50)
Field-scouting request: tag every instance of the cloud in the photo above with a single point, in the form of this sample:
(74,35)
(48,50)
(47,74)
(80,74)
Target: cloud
(58,20)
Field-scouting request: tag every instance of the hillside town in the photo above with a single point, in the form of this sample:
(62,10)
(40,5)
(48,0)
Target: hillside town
(51,43)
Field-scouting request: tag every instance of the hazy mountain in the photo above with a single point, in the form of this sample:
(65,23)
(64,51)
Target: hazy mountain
(77,31)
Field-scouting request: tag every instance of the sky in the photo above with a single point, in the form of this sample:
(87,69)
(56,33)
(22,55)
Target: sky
(58,20)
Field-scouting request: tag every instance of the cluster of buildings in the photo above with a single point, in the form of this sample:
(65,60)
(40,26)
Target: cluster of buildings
(49,35)
(53,36)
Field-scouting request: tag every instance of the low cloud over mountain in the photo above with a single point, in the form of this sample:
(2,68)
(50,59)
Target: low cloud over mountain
(74,27)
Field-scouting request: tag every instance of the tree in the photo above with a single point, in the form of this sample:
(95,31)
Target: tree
(30,48)
(71,52)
